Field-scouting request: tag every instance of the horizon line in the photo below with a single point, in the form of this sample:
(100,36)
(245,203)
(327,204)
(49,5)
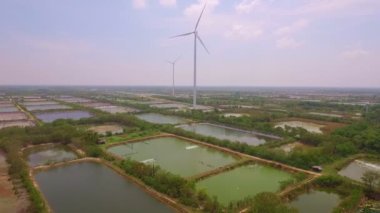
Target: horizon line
(179,86)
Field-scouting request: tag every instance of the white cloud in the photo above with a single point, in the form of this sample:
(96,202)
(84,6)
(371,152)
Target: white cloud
(286,42)
(323,6)
(195,9)
(168,3)
(355,53)
(139,4)
(244,32)
(294,27)
(246,6)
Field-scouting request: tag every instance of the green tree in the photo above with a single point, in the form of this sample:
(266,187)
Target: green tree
(270,203)
(371,180)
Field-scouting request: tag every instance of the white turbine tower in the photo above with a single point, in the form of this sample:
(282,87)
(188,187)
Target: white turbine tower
(196,37)
(173,70)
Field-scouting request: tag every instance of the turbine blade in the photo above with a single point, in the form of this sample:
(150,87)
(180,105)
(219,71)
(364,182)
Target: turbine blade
(204,46)
(179,57)
(185,34)
(199,19)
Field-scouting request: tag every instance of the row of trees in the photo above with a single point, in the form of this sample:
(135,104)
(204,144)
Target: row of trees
(12,140)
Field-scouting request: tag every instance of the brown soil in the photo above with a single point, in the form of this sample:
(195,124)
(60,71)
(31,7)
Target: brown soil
(10,201)
(328,126)
(101,129)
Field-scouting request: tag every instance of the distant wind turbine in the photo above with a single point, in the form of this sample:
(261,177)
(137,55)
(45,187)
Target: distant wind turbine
(173,70)
(196,37)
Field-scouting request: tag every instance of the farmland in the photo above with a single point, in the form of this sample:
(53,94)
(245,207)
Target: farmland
(176,158)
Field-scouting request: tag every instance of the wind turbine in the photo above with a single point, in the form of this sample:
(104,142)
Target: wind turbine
(196,38)
(173,69)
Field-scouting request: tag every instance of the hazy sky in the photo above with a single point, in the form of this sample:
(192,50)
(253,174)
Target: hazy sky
(252,42)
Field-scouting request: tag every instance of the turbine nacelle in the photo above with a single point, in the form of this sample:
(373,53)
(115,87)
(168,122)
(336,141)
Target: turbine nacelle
(195,33)
(175,61)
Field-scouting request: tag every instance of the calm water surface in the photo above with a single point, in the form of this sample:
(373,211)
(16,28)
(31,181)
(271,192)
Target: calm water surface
(242,182)
(316,202)
(47,107)
(174,155)
(93,187)
(48,154)
(52,116)
(224,133)
(356,169)
(161,119)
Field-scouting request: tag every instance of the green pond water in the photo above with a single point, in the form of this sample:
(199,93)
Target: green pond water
(224,133)
(49,154)
(174,155)
(93,187)
(161,119)
(356,169)
(316,202)
(242,182)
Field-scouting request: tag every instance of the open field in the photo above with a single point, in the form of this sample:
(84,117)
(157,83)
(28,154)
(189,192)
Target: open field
(236,115)
(47,107)
(19,123)
(95,104)
(288,148)
(12,116)
(310,127)
(313,126)
(39,103)
(326,114)
(9,109)
(104,129)
(6,104)
(169,106)
(37,99)
(74,100)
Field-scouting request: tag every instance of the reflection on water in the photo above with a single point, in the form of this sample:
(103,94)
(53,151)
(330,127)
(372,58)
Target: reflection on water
(161,119)
(316,202)
(224,133)
(47,154)
(93,187)
(52,116)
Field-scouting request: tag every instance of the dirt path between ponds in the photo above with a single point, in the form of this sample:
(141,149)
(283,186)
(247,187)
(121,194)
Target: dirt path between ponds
(9,200)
